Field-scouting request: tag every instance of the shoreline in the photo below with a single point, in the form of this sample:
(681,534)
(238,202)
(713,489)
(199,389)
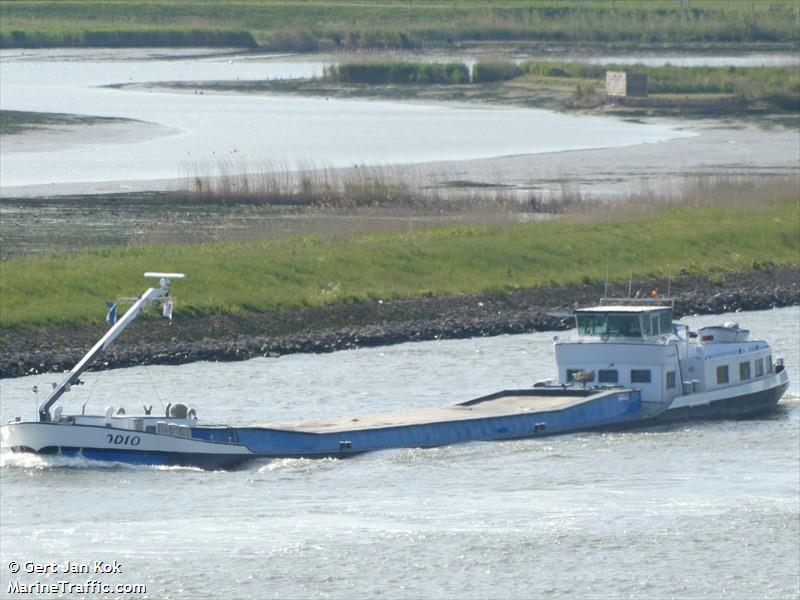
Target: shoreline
(728,147)
(368,324)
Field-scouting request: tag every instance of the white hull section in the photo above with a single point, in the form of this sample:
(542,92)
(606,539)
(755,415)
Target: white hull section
(38,437)
(757,386)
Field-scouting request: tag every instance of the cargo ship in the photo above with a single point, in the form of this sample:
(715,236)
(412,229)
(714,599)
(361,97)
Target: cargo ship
(629,365)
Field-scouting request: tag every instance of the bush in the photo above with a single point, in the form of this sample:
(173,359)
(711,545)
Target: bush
(402,73)
(487,72)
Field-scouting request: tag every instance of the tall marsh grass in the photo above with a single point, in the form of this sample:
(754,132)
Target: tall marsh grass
(397,72)
(387,187)
(310,185)
(488,72)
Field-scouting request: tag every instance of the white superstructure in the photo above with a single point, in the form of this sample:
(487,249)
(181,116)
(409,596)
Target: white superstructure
(634,343)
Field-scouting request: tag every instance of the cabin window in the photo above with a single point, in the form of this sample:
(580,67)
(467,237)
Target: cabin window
(640,376)
(608,376)
(744,370)
(658,324)
(671,380)
(665,319)
(759,367)
(647,328)
(609,325)
(769,363)
(572,372)
(722,374)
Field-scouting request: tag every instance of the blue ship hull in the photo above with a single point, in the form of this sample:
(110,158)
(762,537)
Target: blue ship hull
(577,411)
(507,415)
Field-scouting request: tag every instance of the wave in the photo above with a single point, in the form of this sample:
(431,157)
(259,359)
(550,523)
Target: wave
(38,462)
(294,465)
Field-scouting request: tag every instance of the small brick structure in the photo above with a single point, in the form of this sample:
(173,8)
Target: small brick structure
(621,84)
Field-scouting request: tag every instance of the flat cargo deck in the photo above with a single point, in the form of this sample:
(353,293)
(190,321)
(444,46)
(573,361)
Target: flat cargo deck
(509,414)
(500,404)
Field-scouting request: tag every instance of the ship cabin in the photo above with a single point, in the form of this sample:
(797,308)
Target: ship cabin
(628,345)
(638,346)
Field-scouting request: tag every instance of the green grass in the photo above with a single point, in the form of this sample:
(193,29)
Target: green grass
(747,82)
(308,271)
(391,23)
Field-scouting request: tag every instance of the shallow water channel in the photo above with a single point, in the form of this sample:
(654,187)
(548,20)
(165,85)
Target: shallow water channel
(197,132)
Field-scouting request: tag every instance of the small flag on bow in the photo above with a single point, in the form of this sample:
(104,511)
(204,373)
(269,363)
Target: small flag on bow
(111,315)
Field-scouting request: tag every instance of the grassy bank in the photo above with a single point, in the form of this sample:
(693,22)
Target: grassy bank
(668,79)
(778,87)
(300,25)
(310,271)
(769,94)
(775,87)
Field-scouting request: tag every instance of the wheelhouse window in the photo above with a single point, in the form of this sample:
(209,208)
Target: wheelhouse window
(759,367)
(659,323)
(625,325)
(744,370)
(608,376)
(640,376)
(647,328)
(722,374)
(665,321)
(671,380)
(611,325)
(770,366)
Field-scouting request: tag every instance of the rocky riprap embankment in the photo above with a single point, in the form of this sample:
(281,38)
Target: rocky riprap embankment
(228,337)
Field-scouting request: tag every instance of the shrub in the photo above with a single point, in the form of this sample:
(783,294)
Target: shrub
(487,72)
(398,73)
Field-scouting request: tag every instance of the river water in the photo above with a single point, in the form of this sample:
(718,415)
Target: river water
(193,134)
(698,510)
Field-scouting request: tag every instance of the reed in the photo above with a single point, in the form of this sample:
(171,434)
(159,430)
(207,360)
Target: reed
(397,72)
(489,72)
(310,185)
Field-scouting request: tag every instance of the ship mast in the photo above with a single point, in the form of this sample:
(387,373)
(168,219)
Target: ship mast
(150,296)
